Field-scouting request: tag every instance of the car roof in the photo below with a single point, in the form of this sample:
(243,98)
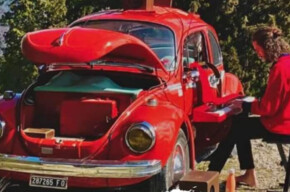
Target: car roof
(175,19)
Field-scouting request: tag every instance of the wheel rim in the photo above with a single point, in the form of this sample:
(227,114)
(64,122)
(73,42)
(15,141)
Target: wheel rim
(179,163)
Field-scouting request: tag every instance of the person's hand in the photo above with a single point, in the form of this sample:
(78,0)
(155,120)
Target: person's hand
(236,103)
(248,99)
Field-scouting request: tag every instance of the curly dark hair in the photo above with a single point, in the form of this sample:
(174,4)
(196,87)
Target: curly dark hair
(272,41)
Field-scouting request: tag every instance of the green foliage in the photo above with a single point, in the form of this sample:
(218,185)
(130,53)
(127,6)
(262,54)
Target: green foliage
(24,16)
(182,4)
(79,8)
(31,15)
(234,21)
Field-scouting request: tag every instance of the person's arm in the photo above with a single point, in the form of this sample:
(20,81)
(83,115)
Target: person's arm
(271,100)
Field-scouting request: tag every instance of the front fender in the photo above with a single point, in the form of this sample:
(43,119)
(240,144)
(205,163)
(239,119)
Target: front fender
(8,114)
(166,119)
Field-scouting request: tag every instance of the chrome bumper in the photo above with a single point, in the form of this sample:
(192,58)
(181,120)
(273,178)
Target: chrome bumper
(79,168)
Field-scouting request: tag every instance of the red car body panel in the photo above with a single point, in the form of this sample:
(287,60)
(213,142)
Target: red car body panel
(78,45)
(8,112)
(173,96)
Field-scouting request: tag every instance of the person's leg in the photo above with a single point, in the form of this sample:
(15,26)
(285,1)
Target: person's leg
(221,154)
(249,178)
(254,129)
(242,130)
(245,156)
(224,149)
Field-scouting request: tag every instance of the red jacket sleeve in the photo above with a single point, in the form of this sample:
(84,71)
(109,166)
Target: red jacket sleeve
(271,100)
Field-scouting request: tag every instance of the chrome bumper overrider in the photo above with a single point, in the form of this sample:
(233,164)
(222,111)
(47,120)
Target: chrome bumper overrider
(79,168)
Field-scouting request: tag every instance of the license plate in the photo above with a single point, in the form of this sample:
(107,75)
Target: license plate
(48,182)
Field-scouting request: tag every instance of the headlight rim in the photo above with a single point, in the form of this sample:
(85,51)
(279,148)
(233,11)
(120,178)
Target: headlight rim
(149,128)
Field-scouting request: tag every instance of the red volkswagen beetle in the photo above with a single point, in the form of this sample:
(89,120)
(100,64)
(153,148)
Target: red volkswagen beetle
(123,97)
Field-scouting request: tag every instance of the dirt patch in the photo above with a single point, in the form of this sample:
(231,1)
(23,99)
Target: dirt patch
(267,161)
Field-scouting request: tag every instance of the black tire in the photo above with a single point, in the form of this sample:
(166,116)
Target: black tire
(167,178)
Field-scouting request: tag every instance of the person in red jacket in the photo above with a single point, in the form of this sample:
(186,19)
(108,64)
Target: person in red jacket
(273,108)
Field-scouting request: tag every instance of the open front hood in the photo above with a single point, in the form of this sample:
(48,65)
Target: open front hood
(78,45)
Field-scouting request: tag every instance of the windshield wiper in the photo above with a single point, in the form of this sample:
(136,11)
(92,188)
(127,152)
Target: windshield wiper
(132,65)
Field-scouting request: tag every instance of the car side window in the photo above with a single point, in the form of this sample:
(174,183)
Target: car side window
(194,49)
(215,49)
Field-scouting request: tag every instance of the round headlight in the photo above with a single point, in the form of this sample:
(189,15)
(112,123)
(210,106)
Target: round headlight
(2,127)
(140,137)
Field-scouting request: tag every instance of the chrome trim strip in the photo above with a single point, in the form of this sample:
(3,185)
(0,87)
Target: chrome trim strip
(2,128)
(177,87)
(174,87)
(79,168)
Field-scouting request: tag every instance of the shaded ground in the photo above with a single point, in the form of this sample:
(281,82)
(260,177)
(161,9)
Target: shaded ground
(267,161)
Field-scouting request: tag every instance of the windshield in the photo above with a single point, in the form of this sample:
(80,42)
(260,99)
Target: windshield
(159,38)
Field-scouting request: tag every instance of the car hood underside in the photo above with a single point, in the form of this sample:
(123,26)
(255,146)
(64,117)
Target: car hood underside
(75,45)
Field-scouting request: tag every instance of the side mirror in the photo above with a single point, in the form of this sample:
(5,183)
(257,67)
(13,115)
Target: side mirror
(8,95)
(191,78)
(192,75)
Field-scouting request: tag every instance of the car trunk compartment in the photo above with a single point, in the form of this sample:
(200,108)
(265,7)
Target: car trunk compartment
(75,115)
(80,104)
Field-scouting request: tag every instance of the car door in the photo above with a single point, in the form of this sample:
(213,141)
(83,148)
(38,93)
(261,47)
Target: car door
(196,55)
(201,51)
